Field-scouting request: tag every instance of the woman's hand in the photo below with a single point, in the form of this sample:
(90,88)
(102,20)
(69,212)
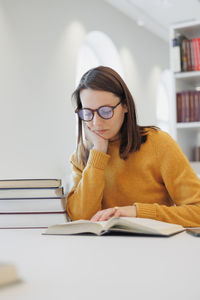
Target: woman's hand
(94,141)
(123,211)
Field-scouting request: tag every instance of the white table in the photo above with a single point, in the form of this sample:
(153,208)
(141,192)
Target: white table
(107,267)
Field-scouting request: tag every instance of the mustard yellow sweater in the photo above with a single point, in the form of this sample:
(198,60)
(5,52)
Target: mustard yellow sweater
(158,179)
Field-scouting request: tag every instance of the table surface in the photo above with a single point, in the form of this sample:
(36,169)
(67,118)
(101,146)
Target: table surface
(101,267)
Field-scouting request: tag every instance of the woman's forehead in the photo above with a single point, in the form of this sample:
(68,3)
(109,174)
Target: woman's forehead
(93,98)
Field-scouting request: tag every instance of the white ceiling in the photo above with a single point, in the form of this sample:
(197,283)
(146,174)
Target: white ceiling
(158,15)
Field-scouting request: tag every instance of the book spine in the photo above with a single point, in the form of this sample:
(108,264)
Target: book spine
(187,107)
(189,60)
(184,55)
(195,55)
(197,153)
(191,106)
(176,55)
(198,107)
(198,54)
(179,105)
(192,54)
(183,108)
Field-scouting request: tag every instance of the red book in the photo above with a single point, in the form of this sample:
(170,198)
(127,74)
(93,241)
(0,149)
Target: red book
(183,107)
(196,106)
(191,103)
(187,107)
(192,55)
(198,53)
(178,106)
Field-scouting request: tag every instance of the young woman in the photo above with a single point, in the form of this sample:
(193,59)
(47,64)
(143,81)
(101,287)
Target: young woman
(121,168)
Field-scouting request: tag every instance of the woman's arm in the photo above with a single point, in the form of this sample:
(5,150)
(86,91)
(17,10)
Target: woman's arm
(181,183)
(84,199)
(88,183)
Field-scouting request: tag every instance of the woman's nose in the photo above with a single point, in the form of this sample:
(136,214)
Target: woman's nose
(96,119)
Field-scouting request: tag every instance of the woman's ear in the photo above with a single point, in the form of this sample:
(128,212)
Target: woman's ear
(125,108)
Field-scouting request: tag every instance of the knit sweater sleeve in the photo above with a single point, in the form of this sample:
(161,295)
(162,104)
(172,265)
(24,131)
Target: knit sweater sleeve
(181,182)
(85,197)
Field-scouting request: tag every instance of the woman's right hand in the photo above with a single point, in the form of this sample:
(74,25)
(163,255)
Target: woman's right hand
(94,141)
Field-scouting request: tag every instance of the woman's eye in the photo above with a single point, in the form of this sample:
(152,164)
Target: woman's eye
(87,113)
(105,111)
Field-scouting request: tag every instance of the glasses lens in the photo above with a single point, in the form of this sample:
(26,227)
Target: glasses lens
(106,112)
(85,114)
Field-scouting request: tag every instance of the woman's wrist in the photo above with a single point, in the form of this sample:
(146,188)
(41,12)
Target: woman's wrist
(101,147)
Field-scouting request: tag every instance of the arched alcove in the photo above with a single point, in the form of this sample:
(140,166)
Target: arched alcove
(97,49)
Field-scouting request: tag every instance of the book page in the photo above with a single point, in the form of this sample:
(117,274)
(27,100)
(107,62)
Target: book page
(149,225)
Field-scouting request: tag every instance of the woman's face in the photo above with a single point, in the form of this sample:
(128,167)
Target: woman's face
(107,128)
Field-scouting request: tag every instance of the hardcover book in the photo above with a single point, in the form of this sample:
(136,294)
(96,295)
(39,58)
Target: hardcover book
(30,183)
(31,193)
(31,220)
(32,205)
(121,224)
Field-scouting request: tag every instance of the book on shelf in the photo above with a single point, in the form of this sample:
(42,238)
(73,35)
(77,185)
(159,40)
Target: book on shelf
(176,54)
(188,106)
(30,183)
(197,153)
(27,193)
(8,274)
(119,224)
(31,220)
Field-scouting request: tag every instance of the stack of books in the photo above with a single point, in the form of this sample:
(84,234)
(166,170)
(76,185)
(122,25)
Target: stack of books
(31,203)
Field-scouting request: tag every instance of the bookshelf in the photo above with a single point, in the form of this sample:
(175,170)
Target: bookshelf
(186,133)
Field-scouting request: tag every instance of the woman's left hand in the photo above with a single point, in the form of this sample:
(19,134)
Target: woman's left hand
(122,211)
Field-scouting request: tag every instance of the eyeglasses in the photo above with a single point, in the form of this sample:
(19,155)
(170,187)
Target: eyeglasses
(105,112)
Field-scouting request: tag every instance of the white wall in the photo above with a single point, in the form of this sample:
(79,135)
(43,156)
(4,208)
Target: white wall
(39,42)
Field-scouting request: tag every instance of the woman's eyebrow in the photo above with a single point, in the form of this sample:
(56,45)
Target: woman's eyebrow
(109,104)
(97,107)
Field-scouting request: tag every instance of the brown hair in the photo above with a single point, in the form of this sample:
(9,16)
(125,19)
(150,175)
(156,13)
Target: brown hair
(131,134)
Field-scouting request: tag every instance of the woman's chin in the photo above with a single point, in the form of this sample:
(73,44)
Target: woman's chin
(114,138)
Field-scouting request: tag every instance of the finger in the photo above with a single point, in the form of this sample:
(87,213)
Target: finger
(96,216)
(117,213)
(100,217)
(107,214)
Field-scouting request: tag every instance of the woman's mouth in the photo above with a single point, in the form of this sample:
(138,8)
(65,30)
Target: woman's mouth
(101,131)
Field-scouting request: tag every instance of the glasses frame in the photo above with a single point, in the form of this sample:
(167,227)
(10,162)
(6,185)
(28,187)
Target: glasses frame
(97,110)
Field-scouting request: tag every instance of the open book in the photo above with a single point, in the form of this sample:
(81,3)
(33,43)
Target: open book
(121,224)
